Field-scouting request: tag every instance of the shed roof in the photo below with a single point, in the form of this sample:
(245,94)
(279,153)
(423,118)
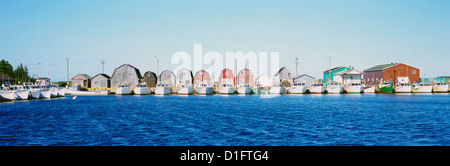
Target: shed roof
(333,69)
(303,75)
(381,67)
(102,74)
(138,73)
(5,77)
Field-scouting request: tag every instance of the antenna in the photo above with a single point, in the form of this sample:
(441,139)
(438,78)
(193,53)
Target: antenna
(102,61)
(296,66)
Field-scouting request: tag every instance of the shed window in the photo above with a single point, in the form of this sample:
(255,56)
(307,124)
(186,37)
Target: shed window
(413,71)
(226,73)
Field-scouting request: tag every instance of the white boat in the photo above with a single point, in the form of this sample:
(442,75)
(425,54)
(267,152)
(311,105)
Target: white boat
(298,88)
(354,88)
(53,91)
(205,89)
(163,89)
(440,87)
(123,89)
(335,88)
(317,88)
(186,90)
(6,93)
(227,89)
(142,90)
(82,93)
(277,89)
(20,93)
(369,89)
(45,92)
(61,92)
(244,89)
(35,92)
(422,88)
(403,88)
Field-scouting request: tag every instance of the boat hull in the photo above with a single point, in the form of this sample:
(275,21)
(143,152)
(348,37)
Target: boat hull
(53,92)
(163,90)
(142,91)
(227,90)
(35,93)
(123,91)
(277,90)
(298,90)
(10,95)
(186,91)
(354,89)
(82,93)
(244,90)
(45,94)
(205,90)
(369,90)
(22,94)
(422,89)
(317,89)
(440,89)
(385,89)
(335,89)
(403,89)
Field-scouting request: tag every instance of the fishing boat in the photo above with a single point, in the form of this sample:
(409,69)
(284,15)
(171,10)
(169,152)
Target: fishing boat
(84,93)
(61,92)
(277,89)
(20,93)
(123,89)
(142,90)
(6,93)
(205,89)
(369,89)
(440,87)
(354,88)
(35,92)
(163,89)
(227,89)
(298,88)
(244,89)
(422,88)
(45,92)
(53,91)
(385,87)
(186,90)
(335,88)
(317,88)
(403,88)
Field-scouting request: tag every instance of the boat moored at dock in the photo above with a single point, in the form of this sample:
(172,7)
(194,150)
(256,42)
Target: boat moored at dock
(244,89)
(440,87)
(205,89)
(334,88)
(227,89)
(298,88)
(369,89)
(142,90)
(277,89)
(385,87)
(163,89)
(317,88)
(354,88)
(123,89)
(403,88)
(422,88)
(186,90)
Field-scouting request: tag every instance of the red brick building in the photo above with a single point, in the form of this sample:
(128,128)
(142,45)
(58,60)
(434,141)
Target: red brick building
(391,72)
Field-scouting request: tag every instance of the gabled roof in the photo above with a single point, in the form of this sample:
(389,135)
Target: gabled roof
(333,69)
(351,71)
(381,67)
(138,73)
(5,77)
(102,74)
(84,75)
(303,75)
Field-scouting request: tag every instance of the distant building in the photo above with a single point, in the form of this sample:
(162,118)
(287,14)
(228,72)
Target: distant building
(126,74)
(167,77)
(442,79)
(184,77)
(245,77)
(326,73)
(348,76)
(82,80)
(391,72)
(226,77)
(304,78)
(6,80)
(150,79)
(202,77)
(283,77)
(101,81)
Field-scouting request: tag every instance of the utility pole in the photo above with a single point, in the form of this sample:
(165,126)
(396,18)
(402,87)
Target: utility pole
(296,66)
(329,61)
(157,68)
(38,70)
(67,72)
(103,65)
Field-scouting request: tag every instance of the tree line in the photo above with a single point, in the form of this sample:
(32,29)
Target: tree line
(19,74)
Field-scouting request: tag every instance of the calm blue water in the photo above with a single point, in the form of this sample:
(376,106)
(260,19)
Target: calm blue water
(367,119)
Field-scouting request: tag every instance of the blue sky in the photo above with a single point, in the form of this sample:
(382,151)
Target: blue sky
(360,33)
